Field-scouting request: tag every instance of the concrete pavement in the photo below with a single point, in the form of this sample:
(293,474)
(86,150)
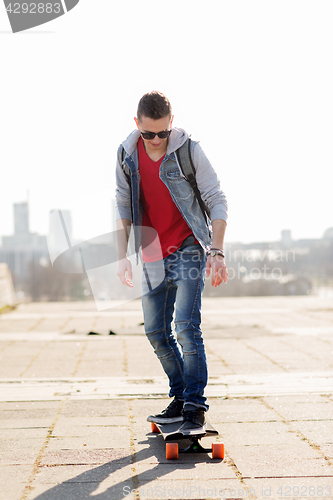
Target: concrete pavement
(73,406)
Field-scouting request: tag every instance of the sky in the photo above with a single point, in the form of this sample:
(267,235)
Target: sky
(252,80)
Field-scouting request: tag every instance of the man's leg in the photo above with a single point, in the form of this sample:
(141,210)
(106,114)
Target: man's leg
(158,308)
(189,278)
(189,275)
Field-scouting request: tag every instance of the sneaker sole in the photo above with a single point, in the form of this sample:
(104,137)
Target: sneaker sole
(170,420)
(200,431)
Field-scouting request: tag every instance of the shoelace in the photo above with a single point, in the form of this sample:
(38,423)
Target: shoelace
(189,415)
(173,404)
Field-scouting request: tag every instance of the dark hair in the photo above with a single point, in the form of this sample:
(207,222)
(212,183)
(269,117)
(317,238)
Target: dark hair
(154,105)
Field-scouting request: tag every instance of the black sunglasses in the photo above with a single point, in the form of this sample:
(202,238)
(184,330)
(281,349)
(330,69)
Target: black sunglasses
(149,136)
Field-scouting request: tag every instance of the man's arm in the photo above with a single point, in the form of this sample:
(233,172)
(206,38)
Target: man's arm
(219,227)
(123,222)
(216,266)
(123,227)
(215,199)
(209,185)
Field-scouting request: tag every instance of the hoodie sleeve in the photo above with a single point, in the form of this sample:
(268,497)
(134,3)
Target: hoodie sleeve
(209,184)
(123,192)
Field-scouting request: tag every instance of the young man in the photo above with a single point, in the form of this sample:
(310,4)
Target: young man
(154,193)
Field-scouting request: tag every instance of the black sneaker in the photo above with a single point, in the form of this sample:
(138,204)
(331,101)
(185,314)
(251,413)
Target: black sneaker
(173,413)
(194,422)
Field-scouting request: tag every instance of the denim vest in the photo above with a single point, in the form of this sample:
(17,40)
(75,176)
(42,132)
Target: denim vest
(181,193)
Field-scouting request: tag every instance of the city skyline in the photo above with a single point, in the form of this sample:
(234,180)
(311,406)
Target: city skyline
(56,267)
(21,224)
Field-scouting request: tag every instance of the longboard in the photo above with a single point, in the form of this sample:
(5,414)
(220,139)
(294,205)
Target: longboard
(170,432)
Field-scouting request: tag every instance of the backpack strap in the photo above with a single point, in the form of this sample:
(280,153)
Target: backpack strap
(187,167)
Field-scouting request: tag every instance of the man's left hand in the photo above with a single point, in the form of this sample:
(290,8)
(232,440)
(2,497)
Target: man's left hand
(216,267)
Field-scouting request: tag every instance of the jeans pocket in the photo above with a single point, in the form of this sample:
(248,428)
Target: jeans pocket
(194,248)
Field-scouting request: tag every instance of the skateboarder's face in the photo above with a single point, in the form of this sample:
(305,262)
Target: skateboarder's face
(149,125)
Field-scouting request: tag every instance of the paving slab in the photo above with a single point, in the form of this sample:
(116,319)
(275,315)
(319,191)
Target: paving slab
(78,424)
(94,408)
(185,468)
(293,488)
(91,439)
(18,456)
(320,431)
(305,407)
(80,491)
(198,489)
(258,433)
(243,409)
(24,423)
(14,479)
(28,433)
(278,460)
(8,444)
(92,473)
(117,456)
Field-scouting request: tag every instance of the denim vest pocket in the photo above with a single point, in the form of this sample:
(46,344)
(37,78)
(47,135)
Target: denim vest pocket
(179,184)
(184,198)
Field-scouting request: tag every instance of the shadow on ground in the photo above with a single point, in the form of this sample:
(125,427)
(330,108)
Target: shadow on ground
(86,484)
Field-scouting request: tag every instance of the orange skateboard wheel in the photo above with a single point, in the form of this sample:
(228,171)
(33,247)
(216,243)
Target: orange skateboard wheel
(154,428)
(171,451)
(218,450)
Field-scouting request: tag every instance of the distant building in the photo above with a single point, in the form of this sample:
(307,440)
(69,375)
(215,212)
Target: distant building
(22,239)
(286,238)
(22,248)
(21,218)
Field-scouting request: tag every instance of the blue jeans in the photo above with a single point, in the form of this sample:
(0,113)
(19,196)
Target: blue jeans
(183,359)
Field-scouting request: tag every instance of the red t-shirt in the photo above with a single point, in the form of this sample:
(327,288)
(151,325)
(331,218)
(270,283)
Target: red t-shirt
(159,211)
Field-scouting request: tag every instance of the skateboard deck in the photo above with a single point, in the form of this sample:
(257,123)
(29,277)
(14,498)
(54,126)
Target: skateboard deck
(170,432)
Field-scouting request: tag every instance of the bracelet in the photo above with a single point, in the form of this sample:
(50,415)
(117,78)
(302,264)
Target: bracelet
(215,251)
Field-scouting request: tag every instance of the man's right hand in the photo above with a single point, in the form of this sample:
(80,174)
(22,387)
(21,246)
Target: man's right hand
(125,268)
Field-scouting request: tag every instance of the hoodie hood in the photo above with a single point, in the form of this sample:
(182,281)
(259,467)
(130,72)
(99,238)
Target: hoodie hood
(177,138)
